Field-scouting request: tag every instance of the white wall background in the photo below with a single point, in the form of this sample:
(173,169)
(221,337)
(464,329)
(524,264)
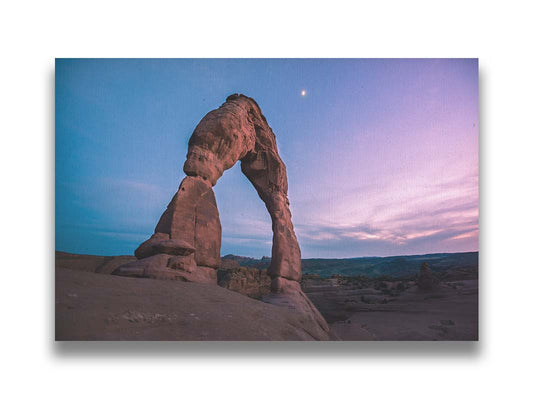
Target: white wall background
(33,33)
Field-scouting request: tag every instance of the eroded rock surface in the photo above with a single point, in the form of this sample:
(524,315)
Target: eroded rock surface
(91,306)
(190,226)
(188,232)
(289,294)
(167,267)
(237,131)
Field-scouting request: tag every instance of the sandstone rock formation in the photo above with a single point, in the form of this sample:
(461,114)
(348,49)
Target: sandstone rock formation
(289,294)
(425,278)
(251,282)
(186,241)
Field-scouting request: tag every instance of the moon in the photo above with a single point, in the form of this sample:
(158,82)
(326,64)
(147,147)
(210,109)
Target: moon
(303,92)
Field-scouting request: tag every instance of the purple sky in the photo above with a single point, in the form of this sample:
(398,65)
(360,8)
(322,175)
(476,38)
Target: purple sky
(382,155)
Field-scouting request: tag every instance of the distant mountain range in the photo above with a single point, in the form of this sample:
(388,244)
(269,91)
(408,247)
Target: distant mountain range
(395,266)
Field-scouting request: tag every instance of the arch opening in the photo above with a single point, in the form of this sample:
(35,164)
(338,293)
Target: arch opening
(246,224)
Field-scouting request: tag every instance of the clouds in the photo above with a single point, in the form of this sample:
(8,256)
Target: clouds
(390,220)
(401,215)
(439,217)
(365,240)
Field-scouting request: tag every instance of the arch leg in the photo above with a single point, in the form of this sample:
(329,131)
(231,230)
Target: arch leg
(267,173)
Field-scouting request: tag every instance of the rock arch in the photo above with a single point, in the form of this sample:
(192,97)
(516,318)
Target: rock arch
(186,242)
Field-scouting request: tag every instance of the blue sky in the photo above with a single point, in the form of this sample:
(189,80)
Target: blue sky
(382,155)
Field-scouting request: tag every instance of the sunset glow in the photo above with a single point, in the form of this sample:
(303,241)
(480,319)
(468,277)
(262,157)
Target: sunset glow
(382,159)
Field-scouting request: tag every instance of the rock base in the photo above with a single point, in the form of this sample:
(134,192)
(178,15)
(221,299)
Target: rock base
(289,294)
(168,267)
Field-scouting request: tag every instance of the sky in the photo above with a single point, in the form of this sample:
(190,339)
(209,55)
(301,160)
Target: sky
(381,154)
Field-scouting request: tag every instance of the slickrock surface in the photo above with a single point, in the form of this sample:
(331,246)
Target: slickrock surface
(356,308)
(289,294)
(93,306)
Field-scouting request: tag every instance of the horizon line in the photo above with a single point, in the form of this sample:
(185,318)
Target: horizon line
(310,258)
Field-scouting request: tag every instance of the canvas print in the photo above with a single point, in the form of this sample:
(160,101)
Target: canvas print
(266,199)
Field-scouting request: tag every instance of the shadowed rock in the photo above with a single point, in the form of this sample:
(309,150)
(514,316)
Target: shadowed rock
(425,278)
(164,266)
(160,243)
(288,293)
(251,282)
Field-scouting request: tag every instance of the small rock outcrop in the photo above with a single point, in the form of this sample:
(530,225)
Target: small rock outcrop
(425,278)
(251,282)
(187,238)
(228,263)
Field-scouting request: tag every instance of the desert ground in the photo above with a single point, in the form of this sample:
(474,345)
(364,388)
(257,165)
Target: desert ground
(91,304)
(396,310)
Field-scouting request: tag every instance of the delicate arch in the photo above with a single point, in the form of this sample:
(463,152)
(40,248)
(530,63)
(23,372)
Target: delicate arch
(190,226)
(187,238)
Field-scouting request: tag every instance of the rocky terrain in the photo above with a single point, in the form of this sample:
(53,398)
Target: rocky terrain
(91,304)
(251,282)
(385,309)
(394,266)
